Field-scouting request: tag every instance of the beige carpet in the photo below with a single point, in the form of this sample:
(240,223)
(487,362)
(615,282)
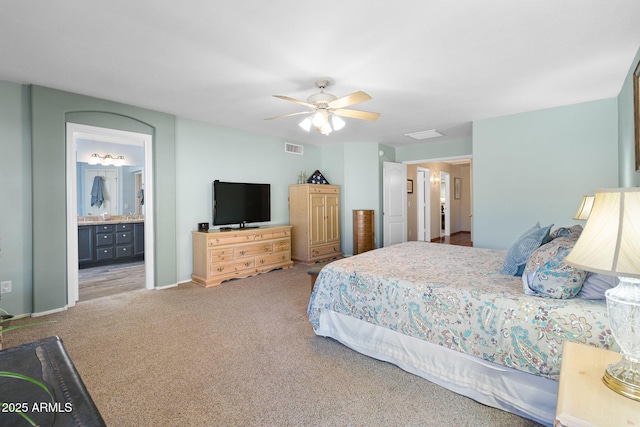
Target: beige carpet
(240,354)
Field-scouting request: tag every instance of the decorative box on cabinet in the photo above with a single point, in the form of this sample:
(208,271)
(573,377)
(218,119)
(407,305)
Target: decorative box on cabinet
(363,231)
(224,255)
(314,214)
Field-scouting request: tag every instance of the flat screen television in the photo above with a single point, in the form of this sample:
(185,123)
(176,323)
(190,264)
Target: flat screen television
(240,203)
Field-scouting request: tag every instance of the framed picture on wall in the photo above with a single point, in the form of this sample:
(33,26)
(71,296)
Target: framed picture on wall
(456,188)
(410,186)
(636,113)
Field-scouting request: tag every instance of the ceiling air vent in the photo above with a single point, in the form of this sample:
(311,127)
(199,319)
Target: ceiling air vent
(293,148)
(425,134)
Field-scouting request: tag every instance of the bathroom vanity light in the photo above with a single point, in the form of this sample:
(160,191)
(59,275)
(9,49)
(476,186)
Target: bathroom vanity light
(106,160)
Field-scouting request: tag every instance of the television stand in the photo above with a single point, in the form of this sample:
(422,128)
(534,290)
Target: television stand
(246,227)
(219,256)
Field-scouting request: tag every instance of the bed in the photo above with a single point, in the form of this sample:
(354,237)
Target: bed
(447,314)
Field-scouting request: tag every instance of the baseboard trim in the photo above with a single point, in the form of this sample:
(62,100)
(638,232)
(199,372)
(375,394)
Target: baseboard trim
(45,313)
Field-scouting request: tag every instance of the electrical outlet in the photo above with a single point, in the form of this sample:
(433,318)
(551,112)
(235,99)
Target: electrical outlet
(5,287)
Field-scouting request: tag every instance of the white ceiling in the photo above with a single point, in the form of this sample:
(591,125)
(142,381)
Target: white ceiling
(427,64)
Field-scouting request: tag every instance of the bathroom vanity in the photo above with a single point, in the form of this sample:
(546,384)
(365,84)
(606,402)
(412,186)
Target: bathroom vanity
(101,242)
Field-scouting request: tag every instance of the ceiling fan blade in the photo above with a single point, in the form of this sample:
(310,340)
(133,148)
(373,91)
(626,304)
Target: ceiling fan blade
(345,101)
(286,98)
(356,114)
(289,115)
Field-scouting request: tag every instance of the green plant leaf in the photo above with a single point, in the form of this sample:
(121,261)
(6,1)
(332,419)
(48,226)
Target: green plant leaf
(16,375)
(24,325)
(25,416)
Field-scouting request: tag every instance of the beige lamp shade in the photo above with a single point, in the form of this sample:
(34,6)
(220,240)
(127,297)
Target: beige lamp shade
(610,241)
(585,208)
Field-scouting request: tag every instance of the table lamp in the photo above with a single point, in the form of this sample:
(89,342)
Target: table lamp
(610,244)
(585,208)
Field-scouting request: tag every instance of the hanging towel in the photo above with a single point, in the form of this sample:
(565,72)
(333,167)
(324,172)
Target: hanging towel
(97,192)
(141,196)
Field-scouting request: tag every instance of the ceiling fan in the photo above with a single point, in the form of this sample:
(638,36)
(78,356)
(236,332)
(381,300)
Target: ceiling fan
(326,109)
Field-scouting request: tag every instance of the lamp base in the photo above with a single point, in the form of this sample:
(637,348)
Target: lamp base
(623,377)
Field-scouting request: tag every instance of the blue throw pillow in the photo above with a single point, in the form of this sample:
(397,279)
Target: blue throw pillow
(518,254)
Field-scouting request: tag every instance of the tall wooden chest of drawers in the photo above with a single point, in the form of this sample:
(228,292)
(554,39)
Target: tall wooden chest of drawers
(363,231)
(225,255)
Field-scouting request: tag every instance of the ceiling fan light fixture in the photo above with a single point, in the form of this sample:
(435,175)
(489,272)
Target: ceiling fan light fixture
(337,122)
(305,124)
(326,129)
(318,120)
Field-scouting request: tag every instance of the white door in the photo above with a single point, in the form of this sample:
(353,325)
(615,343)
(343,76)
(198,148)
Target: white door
(424,205)
(394,189)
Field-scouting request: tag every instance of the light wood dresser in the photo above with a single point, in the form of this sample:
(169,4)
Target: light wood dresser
(314,213)
(224,255)
(363,231)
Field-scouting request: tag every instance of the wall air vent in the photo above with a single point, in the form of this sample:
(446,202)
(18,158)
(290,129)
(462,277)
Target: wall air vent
(293,148)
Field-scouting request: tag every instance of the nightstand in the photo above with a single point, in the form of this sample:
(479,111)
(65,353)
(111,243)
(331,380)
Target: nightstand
(583,399)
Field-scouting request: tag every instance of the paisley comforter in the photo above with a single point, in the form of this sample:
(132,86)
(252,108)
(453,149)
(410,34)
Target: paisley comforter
(455,297)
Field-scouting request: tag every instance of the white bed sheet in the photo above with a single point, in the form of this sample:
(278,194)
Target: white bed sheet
(530,396)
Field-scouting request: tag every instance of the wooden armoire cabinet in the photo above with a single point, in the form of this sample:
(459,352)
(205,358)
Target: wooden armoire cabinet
(314,213)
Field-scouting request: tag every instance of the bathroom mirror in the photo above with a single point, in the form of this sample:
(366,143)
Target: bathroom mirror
(107,188)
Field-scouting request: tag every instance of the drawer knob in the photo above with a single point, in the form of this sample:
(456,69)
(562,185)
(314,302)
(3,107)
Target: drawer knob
(266,249)
(124,235)
(247,264)
(220,269)
(105,237)
(243,252)
(262,261)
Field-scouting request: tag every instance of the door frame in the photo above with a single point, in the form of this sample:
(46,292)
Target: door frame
(468,157)
(77,131)
(424,204)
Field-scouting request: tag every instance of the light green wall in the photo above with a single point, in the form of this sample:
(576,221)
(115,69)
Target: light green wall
(434,149)
(50,109)
(536,166)
(354,166)
(626,144)
(360,189)
(206,152)
(15,197)
(527,167)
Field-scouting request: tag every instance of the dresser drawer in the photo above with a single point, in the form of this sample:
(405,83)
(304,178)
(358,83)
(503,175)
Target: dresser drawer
(124,227)
(124,251)
(104,253)
(273,235)
(104,239)
(124,237)
(227,239)
(105,228)
(252,250)
(217,255)
(282,245)
(268,260)
(217,269)
(323,251)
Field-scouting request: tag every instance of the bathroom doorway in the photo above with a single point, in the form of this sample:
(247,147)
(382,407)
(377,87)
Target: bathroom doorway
(131,205)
